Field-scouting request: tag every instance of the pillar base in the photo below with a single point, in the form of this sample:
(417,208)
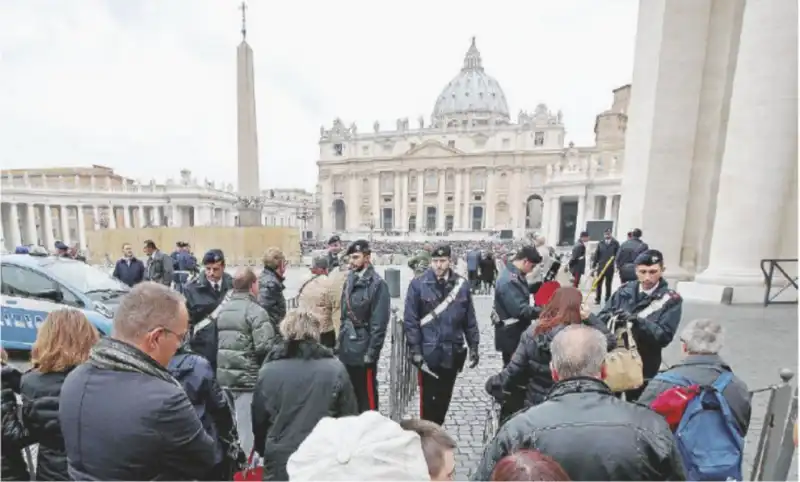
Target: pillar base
(738,287)
(249,217)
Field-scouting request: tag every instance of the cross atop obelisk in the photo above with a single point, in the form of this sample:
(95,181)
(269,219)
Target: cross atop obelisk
(248,176)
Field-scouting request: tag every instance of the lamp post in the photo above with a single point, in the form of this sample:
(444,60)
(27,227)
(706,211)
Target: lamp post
(304,213)
(371,225)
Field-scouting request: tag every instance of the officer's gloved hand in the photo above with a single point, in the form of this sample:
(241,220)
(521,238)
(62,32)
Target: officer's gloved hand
(474,358)
(417,360)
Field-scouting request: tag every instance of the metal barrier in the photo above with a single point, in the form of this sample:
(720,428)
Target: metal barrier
(769,273)
(402,374)
(293,303)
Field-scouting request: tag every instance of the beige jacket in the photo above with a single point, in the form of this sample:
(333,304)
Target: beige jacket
(315,297)
(337,280)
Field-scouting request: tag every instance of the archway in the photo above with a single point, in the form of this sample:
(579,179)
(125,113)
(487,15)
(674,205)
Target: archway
(339,215)
(534,208)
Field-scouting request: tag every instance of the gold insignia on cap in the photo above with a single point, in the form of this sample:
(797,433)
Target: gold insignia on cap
(357,247)
(440,252)
(654,259)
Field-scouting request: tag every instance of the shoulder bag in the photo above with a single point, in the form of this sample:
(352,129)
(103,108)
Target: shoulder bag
(623,364)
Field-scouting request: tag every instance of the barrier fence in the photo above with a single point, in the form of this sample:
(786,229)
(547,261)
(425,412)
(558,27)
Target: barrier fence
(768,267)
(402,374)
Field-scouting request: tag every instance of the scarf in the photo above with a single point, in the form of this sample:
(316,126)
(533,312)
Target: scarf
(115,355)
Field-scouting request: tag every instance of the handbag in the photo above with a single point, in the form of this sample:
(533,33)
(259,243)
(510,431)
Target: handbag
(254,470)
(623,364)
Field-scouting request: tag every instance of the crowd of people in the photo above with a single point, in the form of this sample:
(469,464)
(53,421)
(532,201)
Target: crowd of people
(218,377)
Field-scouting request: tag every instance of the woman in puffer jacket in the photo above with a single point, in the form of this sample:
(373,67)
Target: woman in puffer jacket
(530,364)
(62,343)
(15,438)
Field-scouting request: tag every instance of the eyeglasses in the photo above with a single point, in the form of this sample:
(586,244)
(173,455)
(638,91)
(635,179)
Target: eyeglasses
(187,335)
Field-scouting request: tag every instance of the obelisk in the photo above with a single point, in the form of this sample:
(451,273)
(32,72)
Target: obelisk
(249,185)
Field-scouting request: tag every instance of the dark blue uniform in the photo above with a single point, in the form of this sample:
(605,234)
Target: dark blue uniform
(440,338)
(365,309)
(201,301)
(655,331)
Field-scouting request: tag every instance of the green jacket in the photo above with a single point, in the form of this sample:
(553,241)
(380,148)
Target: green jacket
(245,337)
(420,261)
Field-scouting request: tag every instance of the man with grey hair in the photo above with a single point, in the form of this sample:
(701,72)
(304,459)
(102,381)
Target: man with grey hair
(315,296)
(591,433)
(701,341)
(122,415)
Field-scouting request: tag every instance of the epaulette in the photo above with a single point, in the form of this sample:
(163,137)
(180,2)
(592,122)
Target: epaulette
(674,295)
(193,278)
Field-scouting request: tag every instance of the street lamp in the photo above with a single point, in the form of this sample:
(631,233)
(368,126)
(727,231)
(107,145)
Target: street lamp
(304,213)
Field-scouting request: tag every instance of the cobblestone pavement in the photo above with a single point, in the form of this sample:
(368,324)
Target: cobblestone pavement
(759,342)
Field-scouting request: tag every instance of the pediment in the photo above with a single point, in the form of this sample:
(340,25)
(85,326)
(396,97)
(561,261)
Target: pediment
(432,148)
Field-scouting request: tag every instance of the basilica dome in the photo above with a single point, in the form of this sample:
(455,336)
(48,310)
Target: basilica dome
(471,94)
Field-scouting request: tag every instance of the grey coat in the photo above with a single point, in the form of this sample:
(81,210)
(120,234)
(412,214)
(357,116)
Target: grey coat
(159,268)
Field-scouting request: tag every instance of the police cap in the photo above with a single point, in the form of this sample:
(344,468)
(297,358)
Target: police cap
(214,256)
(529,253)
(334,239)
(649,258)
(359,246)
(61,245)
(584,234)
(441,251)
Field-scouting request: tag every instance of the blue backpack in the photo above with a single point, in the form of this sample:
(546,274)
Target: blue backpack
(708,436)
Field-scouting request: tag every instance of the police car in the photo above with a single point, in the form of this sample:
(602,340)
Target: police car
(33,286)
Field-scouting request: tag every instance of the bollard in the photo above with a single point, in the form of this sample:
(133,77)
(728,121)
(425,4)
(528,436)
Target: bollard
(392,276)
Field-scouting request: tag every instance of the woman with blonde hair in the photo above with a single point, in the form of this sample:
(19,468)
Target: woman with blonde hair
(530,364)
(62,343)
(300,383)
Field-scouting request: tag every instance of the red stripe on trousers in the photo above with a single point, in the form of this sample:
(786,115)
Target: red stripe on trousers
(419,382)
(370,390)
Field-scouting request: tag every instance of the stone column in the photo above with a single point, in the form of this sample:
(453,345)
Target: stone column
(353,203)
(81,228)
(155,216)
(29,225)
(547,206)
(580,220)
(488,215)
(139,214)
(607,207)
(466,219)
(126,216)
(404,211)
(669,64)
(420,201)
(95,216)
(377,206)
(555,221)
(762,125)
(112,217)
(457,211)
(440,200)
(47,221)
(63,216)
(397,203)
(14,234)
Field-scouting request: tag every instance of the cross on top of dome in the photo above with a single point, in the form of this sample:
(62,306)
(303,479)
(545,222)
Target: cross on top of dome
(472,61)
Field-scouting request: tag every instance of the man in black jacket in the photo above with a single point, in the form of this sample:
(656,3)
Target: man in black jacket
(129,269)
(627,253)
(577,261)
(606,249)
(592,434)
(270,286)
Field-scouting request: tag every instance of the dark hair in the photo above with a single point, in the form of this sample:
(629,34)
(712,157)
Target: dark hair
(528,465)
(636,233)
(435,441)
(564,308)
(528,253)
(150,244)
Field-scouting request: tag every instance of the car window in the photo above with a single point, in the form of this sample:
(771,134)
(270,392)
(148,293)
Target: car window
(83,277)
(70,298)
(19,281)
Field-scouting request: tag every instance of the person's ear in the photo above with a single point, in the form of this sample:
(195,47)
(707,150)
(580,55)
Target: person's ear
(603,372)
(553,372)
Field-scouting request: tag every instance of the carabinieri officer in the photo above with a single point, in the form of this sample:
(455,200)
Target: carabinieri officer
(439,317)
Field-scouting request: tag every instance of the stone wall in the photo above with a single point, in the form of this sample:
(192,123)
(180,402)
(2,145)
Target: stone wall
(240,245)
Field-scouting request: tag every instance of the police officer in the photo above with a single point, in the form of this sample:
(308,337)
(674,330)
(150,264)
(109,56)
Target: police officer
(184,263)
(512,312)
(365,310)
(577,261)
(653,309)
(334,247)
(438,316)
(204,292)
(627,254)
(606,249)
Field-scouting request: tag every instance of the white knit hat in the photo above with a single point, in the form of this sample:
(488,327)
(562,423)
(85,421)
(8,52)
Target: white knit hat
(367,447)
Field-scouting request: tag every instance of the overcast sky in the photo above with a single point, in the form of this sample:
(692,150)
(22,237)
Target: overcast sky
(148,87)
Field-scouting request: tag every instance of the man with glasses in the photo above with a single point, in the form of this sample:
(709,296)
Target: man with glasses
(653,310)
(204,293)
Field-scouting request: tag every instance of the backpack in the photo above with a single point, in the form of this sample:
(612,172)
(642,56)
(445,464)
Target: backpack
(707,436)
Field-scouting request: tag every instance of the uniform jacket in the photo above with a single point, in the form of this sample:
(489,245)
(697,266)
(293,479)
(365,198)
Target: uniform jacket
(122,425)
(488,268)
(40,393)
(300,383)
(337,279)
(245,337)
(577,262)
(420,261)
(183,261)
(194,373)
(657,330)
(592,434)
(604,252)
(512,300)
(130,271)
(15,435)
(365,317)
(703,370)
(629,250)
(473,258)
(530,365)
(201,301)
(315,296)
(442,340)
(159,268)
(333,261)
(270,296)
